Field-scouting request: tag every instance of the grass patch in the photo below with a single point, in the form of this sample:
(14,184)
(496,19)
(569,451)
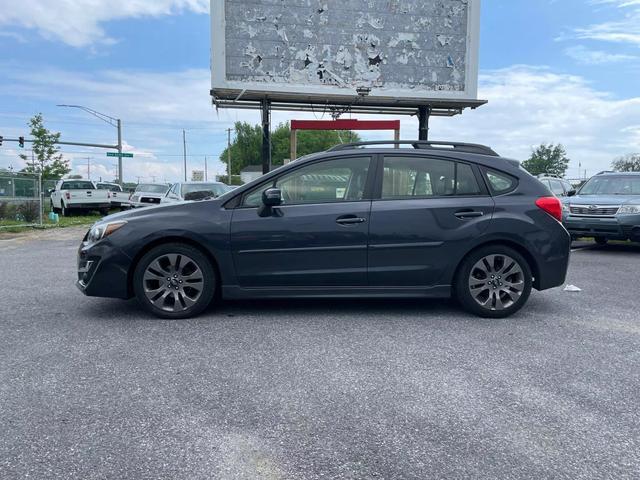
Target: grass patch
(14,226)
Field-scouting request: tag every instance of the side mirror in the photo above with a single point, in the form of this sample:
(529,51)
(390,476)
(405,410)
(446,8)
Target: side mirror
(571,193)
(272,197)
(51,190)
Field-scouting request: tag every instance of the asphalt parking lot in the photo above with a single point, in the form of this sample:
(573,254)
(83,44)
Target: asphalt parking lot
(95,388)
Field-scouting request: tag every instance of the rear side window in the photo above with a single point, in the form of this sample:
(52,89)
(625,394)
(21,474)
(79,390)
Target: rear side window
(556,187)
(501,182)
(407,177)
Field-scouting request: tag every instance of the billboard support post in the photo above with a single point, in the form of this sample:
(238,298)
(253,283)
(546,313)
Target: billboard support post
(266,137)
(424,112)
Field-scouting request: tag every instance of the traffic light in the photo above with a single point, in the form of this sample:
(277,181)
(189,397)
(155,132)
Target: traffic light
(21,142)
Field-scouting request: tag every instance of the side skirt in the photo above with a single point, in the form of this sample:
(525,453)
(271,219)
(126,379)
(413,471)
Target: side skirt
(237,292)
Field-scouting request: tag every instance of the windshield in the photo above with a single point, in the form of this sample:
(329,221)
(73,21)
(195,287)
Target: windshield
(152,188)
(77,185)
(612,185)
(109,186)
(215,189)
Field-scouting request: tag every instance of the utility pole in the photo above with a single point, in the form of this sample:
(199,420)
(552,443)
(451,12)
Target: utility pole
(184,152)
(206,178)
(228,156)
(153,178)
(89,168)
(114,122)
(138,177)
(119,126)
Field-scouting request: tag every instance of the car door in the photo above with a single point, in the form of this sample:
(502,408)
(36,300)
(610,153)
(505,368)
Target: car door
(425,215)
(317,237)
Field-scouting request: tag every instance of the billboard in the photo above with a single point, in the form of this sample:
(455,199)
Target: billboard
(384,52)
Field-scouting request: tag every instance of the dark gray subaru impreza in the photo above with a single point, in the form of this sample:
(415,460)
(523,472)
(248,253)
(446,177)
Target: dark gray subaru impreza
(359,220)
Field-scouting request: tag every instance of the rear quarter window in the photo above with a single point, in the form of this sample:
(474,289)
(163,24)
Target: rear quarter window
(500,183)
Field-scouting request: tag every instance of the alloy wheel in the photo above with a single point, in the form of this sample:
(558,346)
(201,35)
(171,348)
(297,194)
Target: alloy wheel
(496,282)
(173,282)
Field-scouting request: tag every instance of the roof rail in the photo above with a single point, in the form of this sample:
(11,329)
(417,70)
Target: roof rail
(423,145)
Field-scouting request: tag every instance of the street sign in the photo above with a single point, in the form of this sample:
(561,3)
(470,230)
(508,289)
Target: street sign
(121,155)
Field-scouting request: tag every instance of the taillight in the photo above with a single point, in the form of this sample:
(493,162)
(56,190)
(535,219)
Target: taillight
(551,205)
(67,195)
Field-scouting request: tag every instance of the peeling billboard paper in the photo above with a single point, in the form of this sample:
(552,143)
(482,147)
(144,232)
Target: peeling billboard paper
(399,49)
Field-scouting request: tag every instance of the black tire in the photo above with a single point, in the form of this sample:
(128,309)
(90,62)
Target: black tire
(104,211)
(208,287)
(505,295)
(601,240)
(54,209)
(64,211)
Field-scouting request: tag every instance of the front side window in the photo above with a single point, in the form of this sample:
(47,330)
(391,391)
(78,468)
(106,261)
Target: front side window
(406,177)
(340,180)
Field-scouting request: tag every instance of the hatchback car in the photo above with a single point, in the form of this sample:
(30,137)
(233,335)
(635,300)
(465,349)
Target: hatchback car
(607,207)
(360,220)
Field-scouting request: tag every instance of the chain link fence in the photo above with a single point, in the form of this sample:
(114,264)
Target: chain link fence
(22,199)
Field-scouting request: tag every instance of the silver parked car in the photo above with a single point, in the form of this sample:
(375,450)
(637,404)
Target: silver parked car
(147,194)
(182,191)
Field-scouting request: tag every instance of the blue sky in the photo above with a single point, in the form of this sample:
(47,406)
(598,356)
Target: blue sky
(553,71)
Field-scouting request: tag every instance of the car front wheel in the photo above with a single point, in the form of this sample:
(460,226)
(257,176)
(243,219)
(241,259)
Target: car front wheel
(494,282)
(174,281)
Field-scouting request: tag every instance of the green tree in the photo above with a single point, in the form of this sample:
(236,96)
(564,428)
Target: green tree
(247,147)
(47,158)
(627,163)
(547,159)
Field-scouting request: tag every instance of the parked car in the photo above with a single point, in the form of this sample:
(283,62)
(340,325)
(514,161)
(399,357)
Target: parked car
(558,186)
(147,194)
(119,199)
(70,196)
(434,220)
(607,207)
(181,191)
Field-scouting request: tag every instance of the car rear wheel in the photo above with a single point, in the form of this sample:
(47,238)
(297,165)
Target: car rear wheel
(601,240)
(64,211)
(174,281)
(494,282)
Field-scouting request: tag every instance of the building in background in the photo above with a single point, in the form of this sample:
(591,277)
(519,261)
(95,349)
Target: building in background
(250,173)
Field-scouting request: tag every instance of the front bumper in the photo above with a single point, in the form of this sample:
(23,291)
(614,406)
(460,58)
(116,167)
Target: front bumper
(621,227)
(103,270)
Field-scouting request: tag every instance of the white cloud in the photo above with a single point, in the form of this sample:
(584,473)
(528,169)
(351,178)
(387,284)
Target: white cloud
(527,106)
(626,30)
(80,22)
(585,56)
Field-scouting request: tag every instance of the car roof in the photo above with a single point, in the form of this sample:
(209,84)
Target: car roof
(623,174)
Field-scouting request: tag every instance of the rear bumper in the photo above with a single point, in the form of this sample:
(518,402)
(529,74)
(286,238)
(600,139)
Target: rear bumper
(622,227)
(88,206)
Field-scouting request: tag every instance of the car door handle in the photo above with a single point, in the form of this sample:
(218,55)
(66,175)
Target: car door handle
(350,220)
(469,214)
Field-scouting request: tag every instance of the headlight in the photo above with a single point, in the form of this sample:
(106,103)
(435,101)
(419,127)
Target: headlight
(100,231)
(566,208)
(630,210)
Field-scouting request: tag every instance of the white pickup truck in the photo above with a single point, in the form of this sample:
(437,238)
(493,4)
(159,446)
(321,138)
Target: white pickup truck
(79,195)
